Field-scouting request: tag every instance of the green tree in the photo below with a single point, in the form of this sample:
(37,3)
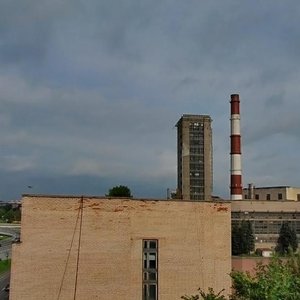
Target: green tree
(236,240)
(247,237)
(242,238)
(274,281)
(8,213)
(119,191)
(211,295)
(287,239)
(279,280)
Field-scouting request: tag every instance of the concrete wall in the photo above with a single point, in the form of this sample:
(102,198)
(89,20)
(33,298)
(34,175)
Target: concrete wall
(248,264)
(288,193)
(265,206)
(292,193)
(194,248)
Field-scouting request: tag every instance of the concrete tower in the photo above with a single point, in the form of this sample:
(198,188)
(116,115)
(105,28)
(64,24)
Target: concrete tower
(194,154)
(235,152)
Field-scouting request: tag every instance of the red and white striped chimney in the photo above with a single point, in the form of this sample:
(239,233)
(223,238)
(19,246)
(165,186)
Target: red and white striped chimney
(235,152)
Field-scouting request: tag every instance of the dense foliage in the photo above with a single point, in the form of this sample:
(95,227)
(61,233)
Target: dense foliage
(211,295)
(5,265)
(119,191)
(10,213)
(279,280)
(242,238)
(287,240)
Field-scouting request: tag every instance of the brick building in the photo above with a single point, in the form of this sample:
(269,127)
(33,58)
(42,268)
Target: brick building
(99,248)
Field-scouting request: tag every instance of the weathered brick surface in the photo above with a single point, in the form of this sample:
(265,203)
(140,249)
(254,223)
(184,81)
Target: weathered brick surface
(194,248)
(248,264)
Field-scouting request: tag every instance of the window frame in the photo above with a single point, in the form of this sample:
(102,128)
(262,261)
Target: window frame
(149,270)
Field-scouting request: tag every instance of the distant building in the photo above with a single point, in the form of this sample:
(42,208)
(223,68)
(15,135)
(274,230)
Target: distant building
(194,154)
(266,218)
(281,193)
(13,203)
(98,248)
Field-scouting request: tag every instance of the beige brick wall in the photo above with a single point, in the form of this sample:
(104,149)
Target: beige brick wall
(194,248)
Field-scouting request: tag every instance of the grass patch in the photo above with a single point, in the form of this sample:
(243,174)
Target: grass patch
(3,237)
(5,265)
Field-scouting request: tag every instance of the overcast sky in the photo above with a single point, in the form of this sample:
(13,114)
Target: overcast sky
(90,91)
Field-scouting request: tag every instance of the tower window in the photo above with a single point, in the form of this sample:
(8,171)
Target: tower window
(150,268)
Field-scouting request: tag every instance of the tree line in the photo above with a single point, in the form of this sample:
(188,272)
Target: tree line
(10,213)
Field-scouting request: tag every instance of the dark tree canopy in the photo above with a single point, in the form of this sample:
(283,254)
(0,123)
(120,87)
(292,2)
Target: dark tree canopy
(9,214)
(235,240)
(287,239)
(242,238)
(119,191)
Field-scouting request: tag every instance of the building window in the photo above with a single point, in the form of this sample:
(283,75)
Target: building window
(150,268)
(279,196)
(268,196)
(256,197)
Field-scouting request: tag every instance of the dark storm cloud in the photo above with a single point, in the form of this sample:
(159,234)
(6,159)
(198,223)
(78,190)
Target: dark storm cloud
(91,90)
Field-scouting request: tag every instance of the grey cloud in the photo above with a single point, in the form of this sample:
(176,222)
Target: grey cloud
(92,87)
(25,31)
(280,122)
(274,101)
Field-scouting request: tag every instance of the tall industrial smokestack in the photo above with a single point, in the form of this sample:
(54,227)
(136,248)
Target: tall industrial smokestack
(235,153)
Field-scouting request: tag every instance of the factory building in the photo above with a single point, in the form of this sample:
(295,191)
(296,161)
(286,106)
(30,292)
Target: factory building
(110,248)
(194,154)
(280,193)
(265,207)
(266,218)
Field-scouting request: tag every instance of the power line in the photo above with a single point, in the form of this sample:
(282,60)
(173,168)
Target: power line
(69,252)
(79,244)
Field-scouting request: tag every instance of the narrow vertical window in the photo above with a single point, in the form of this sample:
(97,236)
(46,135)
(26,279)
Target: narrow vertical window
(150,253)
